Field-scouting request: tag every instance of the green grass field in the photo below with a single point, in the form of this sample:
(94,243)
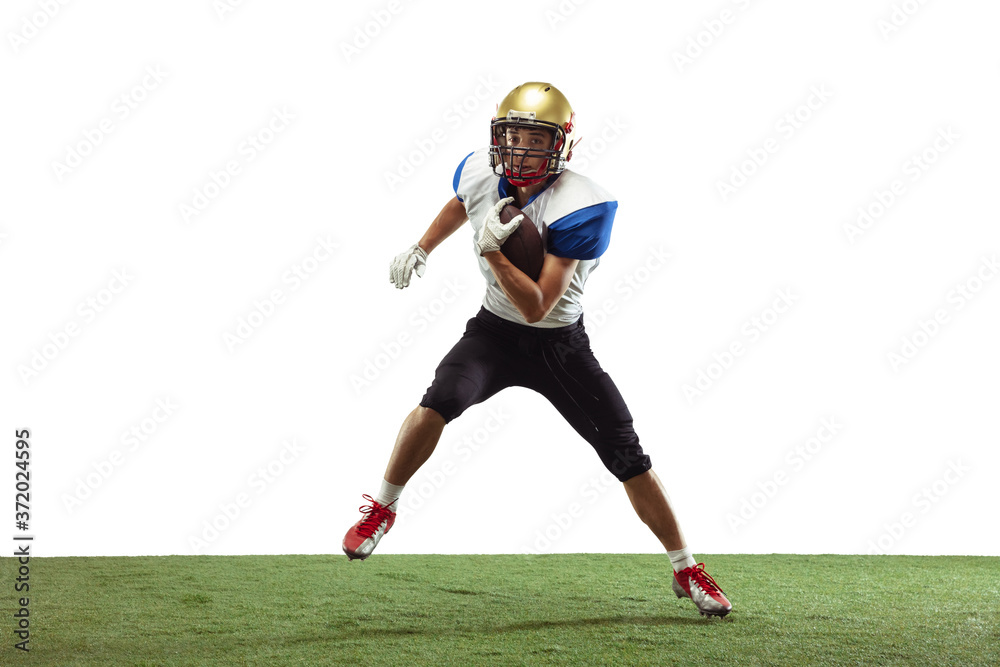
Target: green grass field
(500,610)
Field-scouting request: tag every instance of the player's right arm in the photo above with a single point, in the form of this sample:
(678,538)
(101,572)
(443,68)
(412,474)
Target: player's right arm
(413,260)
(447,222)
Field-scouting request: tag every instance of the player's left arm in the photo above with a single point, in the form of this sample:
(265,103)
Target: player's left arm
(533,299)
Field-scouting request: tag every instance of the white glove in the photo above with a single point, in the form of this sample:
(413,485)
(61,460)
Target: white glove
(414,259)
(493,234)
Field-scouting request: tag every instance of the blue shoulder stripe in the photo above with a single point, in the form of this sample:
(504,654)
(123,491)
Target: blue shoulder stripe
(458,176)
(583,234)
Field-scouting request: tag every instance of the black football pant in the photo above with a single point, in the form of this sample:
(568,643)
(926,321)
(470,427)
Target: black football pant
(495,353)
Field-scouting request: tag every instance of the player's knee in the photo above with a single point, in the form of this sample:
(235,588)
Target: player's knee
(626,463)
(429,416)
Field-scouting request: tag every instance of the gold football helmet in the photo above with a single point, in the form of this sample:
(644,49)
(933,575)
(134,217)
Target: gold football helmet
(531,105)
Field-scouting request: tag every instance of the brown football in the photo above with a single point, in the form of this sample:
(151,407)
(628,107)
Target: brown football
(524,247)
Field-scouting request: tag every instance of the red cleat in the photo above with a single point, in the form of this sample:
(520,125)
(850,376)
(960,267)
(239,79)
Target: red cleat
(695,583)
(361,539)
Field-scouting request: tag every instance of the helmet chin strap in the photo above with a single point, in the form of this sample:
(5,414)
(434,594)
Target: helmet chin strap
(523,182)
(572,144)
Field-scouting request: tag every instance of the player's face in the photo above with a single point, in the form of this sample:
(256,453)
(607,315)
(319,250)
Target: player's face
(522,140)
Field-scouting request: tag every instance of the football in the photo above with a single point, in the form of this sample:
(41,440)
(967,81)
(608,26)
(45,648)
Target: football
(523,248)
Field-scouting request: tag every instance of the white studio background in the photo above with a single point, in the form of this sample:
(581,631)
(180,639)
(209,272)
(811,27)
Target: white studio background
(741,138)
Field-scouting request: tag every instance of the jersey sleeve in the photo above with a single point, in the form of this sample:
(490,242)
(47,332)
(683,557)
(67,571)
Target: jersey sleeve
(584,233)
(458,177)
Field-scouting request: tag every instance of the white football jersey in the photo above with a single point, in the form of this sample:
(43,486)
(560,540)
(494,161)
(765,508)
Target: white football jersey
(573,214)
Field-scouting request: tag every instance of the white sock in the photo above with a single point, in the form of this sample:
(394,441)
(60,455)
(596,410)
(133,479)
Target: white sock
(388,495)
(681,559)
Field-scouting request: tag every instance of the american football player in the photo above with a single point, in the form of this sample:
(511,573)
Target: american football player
(531,333)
